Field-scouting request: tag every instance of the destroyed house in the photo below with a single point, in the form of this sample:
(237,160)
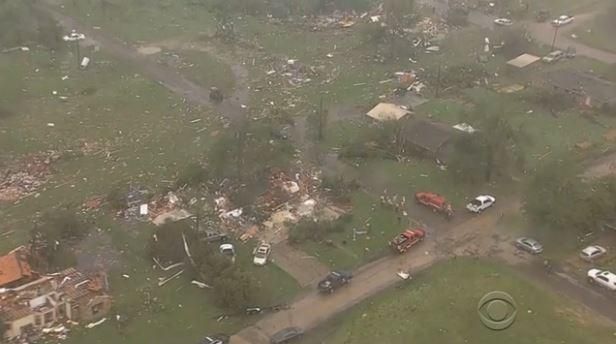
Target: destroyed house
(426,138)
(53,299)
(589,89)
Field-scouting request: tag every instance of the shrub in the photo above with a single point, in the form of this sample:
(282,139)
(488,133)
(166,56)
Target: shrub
(192,175)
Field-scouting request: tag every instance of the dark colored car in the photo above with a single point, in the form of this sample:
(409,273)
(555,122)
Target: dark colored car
(286,335)
(334,280)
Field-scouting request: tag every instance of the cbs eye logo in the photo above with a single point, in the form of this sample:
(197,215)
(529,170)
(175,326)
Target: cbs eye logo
(497,310)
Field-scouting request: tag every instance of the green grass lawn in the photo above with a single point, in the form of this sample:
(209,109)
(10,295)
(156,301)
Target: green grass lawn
(381,225)
(440,306)
(148,132)
(138,21)
(150,135)
(179,310)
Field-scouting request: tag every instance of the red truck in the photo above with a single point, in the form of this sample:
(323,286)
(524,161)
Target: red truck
(436,202)
(405,240)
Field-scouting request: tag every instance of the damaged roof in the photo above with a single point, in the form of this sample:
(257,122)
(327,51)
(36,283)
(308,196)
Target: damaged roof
(426,134)
(13,267)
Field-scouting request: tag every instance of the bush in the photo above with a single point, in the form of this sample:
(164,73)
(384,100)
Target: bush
(117,197)
(234,289)
(168,247)
(63,225)
(317,231)
(52,241)
(192,175)
(551,100)
(339,189)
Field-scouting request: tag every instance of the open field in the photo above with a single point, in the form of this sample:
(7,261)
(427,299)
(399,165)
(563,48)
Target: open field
(428,309)
(115,126)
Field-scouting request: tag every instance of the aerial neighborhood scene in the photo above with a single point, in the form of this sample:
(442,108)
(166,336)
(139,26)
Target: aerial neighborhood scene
(307,171)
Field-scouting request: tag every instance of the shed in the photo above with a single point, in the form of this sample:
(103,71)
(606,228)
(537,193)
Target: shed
(426,137)
(387,112)
(523,60)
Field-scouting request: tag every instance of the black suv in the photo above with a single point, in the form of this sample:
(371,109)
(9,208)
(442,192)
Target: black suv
(334,280)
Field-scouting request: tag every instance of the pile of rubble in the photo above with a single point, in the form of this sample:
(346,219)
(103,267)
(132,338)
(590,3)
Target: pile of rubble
(427,33)
(286,200)
(26,176)
(294,71)
(335,20)
(157,209)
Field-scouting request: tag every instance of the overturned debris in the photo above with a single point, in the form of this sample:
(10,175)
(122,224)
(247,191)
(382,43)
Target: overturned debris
(26,176)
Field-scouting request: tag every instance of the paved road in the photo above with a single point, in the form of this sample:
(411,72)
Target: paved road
(544,32)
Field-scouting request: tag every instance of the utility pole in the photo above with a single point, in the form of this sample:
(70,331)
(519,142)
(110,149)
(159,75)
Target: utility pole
(555,36)
(438,80)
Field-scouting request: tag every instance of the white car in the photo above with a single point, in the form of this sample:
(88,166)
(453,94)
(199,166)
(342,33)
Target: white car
(480,203)
(503,22)
(262,253)
(604,278)
(553,56)
(592,253)
(529,245)
(562,20)
(228,250)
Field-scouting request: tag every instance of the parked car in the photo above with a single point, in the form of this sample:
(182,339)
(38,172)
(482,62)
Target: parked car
(570,52)
(286,335)
(529,245)
(261,254)
(562,20)
(480,203)
(603,278)
(334,280)
(592,253)
(503,21)
(228,250)
(215,339)
(553,56)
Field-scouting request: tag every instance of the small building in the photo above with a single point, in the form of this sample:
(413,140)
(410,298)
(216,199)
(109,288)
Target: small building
(589,89)
(388,112)
(523,61)
(48,300)
(427,138)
